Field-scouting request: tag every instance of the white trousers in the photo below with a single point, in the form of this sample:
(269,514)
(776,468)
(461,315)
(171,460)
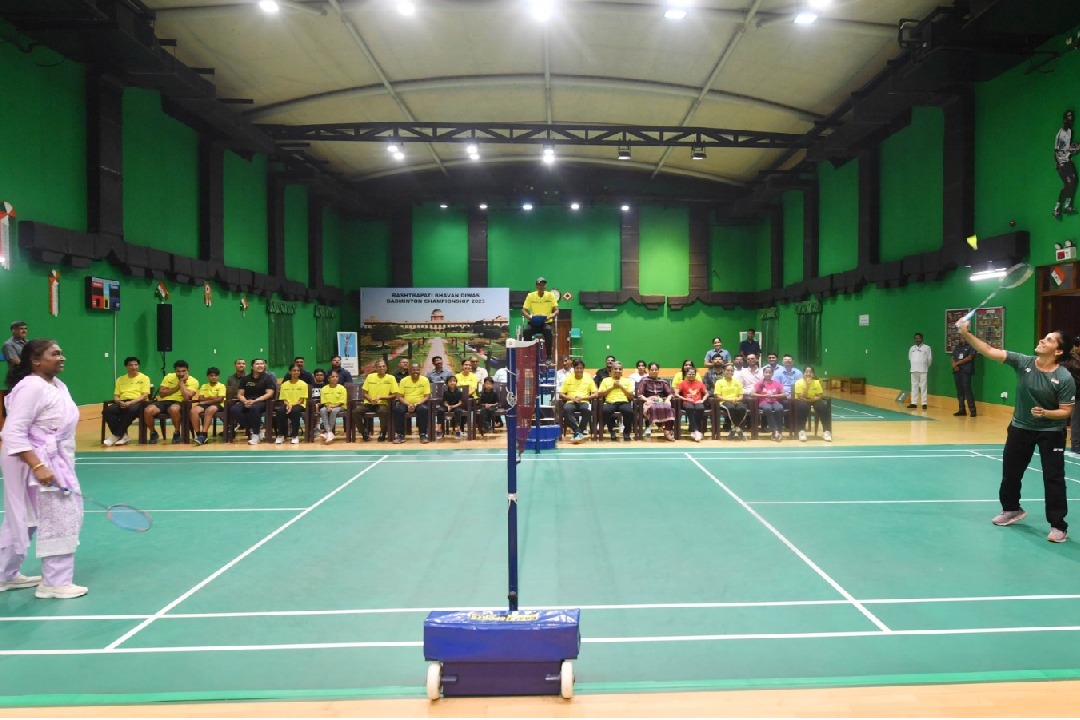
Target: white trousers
(918,387)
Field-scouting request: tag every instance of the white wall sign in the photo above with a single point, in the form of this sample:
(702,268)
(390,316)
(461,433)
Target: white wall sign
(864,320)
(603,327)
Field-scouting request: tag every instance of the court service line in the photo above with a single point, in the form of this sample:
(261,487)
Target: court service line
(870,502)
(584,640)
(220,571)
(1029,467)
(589,608)
(791,546)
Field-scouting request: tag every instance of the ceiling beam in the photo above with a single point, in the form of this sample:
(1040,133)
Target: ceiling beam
(533,134)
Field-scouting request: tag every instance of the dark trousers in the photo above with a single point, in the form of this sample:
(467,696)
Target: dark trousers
(119,419)
(1067,173)
(487,418)
(421,412)
(249,418)
(963,390)
(695,415)
(774,414)
(627,411)
(287,423)
(802,414)
(380,409)
(576,415)
(735,412)
(1019,447)
(456,418)
(531,331)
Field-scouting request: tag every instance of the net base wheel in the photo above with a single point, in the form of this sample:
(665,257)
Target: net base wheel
(434,681)
(566,680)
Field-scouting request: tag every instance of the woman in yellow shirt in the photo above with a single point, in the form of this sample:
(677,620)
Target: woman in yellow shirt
(290,407)
(808,393)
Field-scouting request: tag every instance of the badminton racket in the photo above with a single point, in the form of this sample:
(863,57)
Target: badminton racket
(123,516)
(1013,277)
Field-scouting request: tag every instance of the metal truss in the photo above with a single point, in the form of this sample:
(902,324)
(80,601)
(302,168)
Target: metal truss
(533,134)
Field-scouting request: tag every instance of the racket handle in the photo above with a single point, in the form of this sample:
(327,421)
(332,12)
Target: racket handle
(966,318)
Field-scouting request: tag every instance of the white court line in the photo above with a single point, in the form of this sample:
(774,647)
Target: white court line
(588,608)
(146,623)
(976,453)
(584,640)
(791,546)
(869,502)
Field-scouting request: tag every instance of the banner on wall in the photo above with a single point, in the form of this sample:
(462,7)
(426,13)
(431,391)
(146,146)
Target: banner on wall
(346,348)
(423,323)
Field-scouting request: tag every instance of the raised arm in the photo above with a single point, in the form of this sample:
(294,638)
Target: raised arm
(981,347)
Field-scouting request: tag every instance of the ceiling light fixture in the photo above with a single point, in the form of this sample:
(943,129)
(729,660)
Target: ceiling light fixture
(549,154)
(575,206)
(483,206)
(675,10)
(399,155)
(541,10)
(405,7)
(624,152)
(988,274)
(393,148)
(269,6)
(625,208)
(443,205)
(805,17)
(697,153)
(819,4)
(527,206)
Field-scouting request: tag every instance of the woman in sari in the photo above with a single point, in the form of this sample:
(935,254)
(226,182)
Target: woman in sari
(655,394)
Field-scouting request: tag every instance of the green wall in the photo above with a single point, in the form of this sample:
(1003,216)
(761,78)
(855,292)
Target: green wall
(44,177)
(838,224)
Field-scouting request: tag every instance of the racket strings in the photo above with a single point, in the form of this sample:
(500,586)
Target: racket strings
(129,518)
(1016,275)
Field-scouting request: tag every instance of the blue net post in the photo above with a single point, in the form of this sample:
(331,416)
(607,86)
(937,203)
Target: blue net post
(511,482)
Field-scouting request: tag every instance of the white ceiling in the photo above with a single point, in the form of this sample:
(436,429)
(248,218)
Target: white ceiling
(733,64)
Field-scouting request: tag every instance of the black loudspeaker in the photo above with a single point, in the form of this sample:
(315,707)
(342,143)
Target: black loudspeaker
(164,328)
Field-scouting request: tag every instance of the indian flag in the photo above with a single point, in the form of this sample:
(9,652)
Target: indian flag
(1057,275)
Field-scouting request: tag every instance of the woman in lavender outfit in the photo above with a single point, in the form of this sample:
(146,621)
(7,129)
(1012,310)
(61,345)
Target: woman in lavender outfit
(38,460)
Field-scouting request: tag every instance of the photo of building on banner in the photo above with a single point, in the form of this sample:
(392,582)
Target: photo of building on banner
(419,324)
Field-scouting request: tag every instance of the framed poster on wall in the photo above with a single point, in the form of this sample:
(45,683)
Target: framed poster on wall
(988,324)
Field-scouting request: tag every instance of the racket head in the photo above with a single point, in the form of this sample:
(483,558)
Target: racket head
(1016,275)
(129,518)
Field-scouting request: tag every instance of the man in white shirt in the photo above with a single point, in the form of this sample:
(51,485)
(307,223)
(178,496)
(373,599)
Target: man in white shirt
(920,357)
(750,375)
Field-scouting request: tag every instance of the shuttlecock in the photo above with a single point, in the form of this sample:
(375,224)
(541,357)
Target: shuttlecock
(973,241)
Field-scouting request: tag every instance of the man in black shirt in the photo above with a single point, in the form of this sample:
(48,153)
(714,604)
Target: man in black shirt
(604,371)
(343,375)
(254,392)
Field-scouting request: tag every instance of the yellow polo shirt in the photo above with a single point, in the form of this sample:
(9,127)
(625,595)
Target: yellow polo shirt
(620,393)
(130,388)
(380,388)
(541,304)
(813,392)
(294,393)
(471,382)
(578,390)
(729,390)
(171,380)
(414,391)
(334,395)
(208,391)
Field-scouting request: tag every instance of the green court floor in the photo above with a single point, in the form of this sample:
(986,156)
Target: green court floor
(309,575)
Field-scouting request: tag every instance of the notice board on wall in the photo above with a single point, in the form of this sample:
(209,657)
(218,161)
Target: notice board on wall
(988,324)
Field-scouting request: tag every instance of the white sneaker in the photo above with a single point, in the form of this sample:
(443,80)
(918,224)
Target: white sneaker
(648,431)
(123,439)
(329,437)
(253,440)
(279,440)
(61,592)
(19,582)
(827,437)
(697,436)
(802,436)
(295,440)
(109,441)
